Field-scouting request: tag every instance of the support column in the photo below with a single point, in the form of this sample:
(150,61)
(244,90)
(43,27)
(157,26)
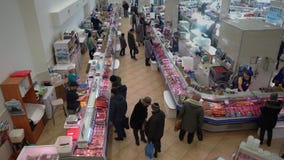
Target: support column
(171,13)
(225,6)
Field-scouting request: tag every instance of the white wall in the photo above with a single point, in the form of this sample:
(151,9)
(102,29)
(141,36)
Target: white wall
(14,48)
(26,39)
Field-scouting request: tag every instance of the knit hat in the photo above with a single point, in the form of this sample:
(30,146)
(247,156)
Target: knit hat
(146,101)
(155,107)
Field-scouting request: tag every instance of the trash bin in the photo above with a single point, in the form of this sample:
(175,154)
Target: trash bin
(170,105)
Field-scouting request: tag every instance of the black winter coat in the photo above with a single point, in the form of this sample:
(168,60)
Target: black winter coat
(138,116)
(121,90)
(269,114)
(131,40)
(118,108)
(155,126)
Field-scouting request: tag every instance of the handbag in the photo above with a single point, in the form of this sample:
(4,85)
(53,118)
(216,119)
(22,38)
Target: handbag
(136,51)
(178,124)
(126,123)
(149,150)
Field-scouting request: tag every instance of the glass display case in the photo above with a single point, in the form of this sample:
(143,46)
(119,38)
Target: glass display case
(224,111)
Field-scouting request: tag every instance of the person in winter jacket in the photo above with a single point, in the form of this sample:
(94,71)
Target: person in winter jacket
(118,109)
(192,115)
(269,116)
(154,128)
(123,44)
(131,43)
(125,8)
(138,118)
(140,34)
(133,21)
(121,89)
(148,50)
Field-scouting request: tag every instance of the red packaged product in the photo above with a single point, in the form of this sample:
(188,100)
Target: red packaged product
(21,73)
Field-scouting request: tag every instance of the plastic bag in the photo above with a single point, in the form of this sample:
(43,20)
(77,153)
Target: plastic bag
(149,150)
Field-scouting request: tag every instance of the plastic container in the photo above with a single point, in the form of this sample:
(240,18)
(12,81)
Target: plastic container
(64,145)
(17,135)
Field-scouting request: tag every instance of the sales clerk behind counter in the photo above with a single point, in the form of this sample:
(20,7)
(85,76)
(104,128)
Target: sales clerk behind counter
(73,99)
(244,81)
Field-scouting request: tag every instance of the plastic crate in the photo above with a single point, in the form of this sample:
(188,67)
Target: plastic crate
(64,145)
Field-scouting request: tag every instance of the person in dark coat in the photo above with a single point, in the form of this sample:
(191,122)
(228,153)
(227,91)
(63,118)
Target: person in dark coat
(138,118)
(118,109)
(131,43)
(125,8)
(154,128)
(175,43)
(192,115)
(148,50)
(96,24)
(123,44)
(133,21)
(72,98)
(268,117)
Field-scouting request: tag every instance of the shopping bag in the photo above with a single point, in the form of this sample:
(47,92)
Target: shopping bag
(149,150)
(178,124)
(126,123)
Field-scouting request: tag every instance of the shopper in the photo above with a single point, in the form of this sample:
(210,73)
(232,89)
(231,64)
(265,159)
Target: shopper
(118,109)
(109,7)
(120,89)
(91,43)
(140,34)
(123,44)
(133,21)
(148,50)
(154,128)
(269,116)
(144,23)
(125,8)
(244,81)
(192,115)
(138,118)
(175,43)
(72,98)
(96,24)
(131,43)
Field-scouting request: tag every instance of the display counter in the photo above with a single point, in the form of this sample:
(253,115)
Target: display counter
(225,110)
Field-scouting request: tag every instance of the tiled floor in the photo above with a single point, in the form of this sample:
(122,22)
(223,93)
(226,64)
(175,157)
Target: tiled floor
(142,81)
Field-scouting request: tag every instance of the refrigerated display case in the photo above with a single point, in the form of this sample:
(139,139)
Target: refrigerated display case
(224,111)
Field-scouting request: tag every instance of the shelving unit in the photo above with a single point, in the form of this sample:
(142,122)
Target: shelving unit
(68,52)
(21,89)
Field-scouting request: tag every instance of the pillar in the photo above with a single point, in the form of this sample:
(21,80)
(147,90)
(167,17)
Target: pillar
(171,13)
